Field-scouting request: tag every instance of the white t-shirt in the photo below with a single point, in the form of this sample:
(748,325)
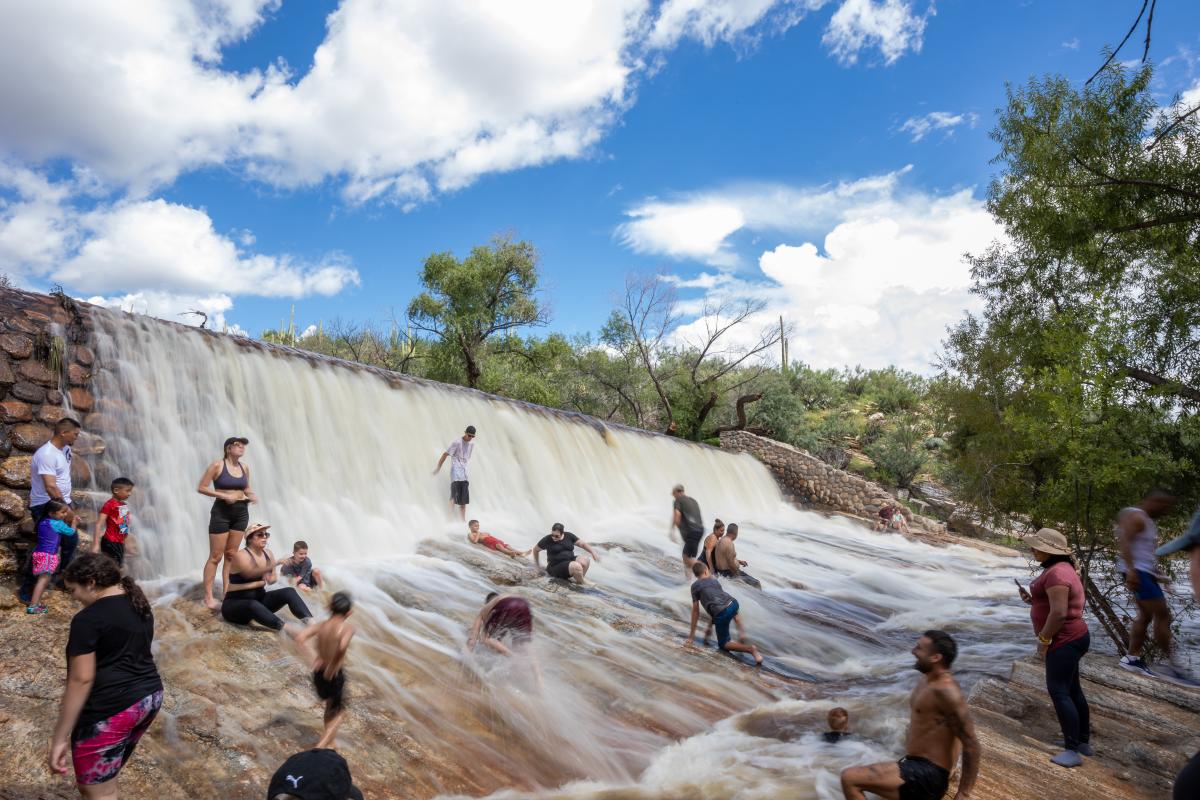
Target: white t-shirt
(1142,546)
(49,460)
(460,453)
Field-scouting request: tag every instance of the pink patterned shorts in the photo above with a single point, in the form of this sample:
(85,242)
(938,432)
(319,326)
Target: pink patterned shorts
(99,751)
(45,563)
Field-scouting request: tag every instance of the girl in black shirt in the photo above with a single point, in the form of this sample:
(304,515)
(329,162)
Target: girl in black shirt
(113,689)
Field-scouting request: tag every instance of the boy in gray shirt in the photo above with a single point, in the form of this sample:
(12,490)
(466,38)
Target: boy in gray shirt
(300,569)
(722,608)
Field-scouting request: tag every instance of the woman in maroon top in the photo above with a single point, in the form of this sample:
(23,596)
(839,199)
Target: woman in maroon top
(1056,600)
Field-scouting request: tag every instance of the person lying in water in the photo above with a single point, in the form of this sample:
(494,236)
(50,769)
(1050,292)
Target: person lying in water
(839,725)
(722,608)
(726,561)
(476,536)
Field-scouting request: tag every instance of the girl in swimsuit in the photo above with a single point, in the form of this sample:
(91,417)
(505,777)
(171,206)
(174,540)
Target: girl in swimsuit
(246,598)
(227,481)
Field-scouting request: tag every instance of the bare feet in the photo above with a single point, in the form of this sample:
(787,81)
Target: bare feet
(213,605)
(758,659)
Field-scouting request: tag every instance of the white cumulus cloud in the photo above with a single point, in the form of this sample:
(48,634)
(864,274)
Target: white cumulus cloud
(878,287)
(400,100)
(890,25)
(920,127)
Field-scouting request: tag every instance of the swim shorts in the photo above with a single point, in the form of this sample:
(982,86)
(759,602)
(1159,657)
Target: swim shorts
(923,779)
(114,550)
(45,563)
(1148,587)
(561,570)
(331,689)
(721,623)
(510,617)
(226,517)
(99,751)
(460,493)
(691,543)
(491,542)
(744,577)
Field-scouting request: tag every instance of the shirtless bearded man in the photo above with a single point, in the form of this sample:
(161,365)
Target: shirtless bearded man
(940,722)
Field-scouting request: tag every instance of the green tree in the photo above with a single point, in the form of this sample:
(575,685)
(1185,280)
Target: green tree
(465,303)
(899,454)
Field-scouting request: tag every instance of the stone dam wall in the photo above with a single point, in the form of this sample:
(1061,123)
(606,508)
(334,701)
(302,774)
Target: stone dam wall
(45,374)
(806,480)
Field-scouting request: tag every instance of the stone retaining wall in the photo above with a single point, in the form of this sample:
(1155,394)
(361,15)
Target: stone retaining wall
(806,480)
(45,375)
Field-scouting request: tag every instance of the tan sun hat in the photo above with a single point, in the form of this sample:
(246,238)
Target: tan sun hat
(1049,541)
(256,528)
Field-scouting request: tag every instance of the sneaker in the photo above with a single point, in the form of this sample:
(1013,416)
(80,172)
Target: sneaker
(1067,758)
(40,608)
(1134,665)
(1083,748)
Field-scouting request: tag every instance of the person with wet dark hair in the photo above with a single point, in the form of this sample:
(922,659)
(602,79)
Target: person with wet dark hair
(685,515)
(710,543)
(838,720)
(940,720)
(722,610)
(459,452)
(227,481)
(329,679)
(725,559)
(113,688)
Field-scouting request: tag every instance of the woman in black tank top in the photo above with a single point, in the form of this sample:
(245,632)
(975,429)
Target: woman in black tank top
(227,481)
(246,597)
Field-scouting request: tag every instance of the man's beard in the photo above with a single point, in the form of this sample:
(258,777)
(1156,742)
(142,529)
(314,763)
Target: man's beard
(923,668)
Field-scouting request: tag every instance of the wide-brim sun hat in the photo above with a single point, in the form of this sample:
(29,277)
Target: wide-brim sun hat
(257,527)
(1049,541)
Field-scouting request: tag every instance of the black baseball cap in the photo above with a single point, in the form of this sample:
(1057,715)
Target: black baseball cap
(470,429)
(235,440)
(314,775)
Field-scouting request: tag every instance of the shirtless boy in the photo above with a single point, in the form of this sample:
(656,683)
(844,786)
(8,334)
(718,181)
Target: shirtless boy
(939,723)
(476,536)
(726,563)
(502,617)
(333,639)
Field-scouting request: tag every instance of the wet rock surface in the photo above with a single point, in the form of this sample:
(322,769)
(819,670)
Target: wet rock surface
(1143,732)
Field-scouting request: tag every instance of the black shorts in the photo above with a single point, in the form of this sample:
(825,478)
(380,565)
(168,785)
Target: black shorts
(332,690)
(460,493)
(560,570)
(226,517)
(691,543)
(114,550)
(923,779)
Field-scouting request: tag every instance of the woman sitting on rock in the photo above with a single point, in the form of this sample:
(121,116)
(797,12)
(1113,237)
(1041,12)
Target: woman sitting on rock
(246,597)
(113,689)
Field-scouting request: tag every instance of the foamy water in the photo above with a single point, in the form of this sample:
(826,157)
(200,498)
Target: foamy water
(342,459)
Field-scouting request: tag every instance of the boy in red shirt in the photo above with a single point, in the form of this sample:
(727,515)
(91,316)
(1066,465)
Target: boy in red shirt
(112,526)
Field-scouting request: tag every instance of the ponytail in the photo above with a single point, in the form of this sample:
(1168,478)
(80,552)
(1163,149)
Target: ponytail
(137,598)
(100,571)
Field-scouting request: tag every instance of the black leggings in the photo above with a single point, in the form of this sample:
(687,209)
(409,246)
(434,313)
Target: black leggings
(242,607)
(1062,681)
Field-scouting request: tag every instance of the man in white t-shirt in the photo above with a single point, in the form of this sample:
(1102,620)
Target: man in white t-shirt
(459,452)
(50,479)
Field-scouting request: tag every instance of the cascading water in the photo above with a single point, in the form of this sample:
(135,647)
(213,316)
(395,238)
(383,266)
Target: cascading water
(342,458)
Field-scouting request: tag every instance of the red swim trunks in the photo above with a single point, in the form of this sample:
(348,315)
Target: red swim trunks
(511,616)
(492,542)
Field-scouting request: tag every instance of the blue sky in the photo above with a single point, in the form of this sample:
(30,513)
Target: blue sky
(827,158)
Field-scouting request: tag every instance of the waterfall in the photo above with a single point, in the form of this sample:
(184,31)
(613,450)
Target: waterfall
(342,456)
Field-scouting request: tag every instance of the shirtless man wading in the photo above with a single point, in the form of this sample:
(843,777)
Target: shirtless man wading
(939,723)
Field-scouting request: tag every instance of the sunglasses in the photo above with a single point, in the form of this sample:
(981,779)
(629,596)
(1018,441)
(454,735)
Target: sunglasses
(260,533)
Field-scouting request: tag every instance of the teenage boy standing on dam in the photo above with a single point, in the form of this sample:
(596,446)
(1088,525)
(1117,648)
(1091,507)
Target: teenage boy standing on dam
(459,452)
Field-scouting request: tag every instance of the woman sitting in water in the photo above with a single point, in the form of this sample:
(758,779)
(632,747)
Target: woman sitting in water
(1056,597)
(561,562)
(246,598)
